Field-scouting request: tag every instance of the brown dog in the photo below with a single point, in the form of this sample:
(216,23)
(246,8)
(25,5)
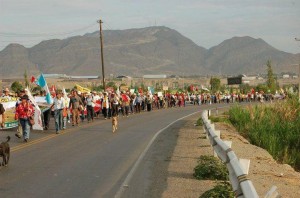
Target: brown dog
(114,123)
(5,151)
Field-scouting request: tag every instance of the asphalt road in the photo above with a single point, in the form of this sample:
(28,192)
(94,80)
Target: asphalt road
(85,161)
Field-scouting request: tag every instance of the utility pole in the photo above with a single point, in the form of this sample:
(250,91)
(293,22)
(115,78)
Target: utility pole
(101,46)
(297,39)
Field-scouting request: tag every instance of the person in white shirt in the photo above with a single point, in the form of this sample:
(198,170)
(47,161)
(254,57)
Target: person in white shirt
(59,105)
(66,112)
(90,104)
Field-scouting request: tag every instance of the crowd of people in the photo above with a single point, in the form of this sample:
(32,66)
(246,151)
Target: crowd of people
(76,107)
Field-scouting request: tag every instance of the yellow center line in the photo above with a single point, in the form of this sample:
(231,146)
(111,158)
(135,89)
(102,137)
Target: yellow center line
(48,137)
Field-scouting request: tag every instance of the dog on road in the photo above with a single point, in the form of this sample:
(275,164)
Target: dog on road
(5,152)
(114,123)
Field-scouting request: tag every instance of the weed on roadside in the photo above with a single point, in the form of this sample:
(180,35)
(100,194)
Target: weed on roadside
(222,190)
(210,168)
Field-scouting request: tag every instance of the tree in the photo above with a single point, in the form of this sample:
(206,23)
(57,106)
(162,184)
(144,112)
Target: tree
(271,81)
(112,84)
(262,87)
(215,84)
(36,89)
(16,86)
(245,88)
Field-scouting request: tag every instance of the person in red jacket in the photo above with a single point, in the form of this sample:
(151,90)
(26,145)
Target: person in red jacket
(23,112)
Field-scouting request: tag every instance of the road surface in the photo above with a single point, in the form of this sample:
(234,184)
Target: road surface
(85,161)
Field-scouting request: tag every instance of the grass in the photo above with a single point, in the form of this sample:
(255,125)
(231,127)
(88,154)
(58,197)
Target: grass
(274,127)
(220,118)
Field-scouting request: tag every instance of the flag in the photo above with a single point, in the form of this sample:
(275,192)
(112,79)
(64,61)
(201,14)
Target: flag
(38,124)
(65,93)
(42,83)
(82,89)
(53,91)
(118,92)
(32,80)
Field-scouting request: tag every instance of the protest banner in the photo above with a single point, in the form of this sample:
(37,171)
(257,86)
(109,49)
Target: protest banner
(9,105)
(124,88)
(82,89)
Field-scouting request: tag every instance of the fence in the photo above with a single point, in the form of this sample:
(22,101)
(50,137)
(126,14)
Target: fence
(238,168)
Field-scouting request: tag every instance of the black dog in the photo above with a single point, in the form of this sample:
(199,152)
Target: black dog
(5,151)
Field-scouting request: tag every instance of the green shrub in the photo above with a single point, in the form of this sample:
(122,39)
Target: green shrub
(222,190)
(199,122)
(210,168)
(274,127)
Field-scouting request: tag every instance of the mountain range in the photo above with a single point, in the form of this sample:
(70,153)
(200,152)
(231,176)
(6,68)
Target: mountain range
(151,50)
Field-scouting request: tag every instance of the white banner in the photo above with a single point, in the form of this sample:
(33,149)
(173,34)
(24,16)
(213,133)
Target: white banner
(38,124)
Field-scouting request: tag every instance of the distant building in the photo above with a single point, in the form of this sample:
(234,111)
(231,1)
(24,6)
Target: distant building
(162,76)
(69,77)
(248,78)
(83,77)
(285,76)
(55,75)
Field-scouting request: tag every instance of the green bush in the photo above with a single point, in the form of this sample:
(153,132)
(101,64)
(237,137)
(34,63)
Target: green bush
(275,127)
(210,168)
(222,190)
(199,122)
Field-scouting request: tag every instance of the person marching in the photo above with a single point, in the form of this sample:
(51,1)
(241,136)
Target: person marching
(59,105)
(105,105)
(75,102)
(90,107)
(23,113)
(19,130)
(114,103)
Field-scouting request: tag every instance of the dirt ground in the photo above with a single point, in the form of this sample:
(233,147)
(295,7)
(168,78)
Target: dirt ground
(264,170)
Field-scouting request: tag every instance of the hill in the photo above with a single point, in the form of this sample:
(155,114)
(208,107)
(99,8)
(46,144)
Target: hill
(134,52)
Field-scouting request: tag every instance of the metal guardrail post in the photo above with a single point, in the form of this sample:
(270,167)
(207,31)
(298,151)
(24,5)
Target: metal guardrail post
(241,184)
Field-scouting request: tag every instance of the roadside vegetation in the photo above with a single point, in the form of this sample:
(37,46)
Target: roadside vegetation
(274,127)
(199,122)
(211,168)
(221,190)
(219,118)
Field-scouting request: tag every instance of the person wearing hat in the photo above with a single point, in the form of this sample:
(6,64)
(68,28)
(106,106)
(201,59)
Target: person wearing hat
(6,93)
(24,112)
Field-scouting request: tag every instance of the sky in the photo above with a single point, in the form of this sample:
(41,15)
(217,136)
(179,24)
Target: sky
(206,22)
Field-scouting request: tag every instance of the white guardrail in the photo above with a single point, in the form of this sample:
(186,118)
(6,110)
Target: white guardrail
(238,168)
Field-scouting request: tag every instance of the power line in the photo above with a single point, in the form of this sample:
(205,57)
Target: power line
(13,34)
